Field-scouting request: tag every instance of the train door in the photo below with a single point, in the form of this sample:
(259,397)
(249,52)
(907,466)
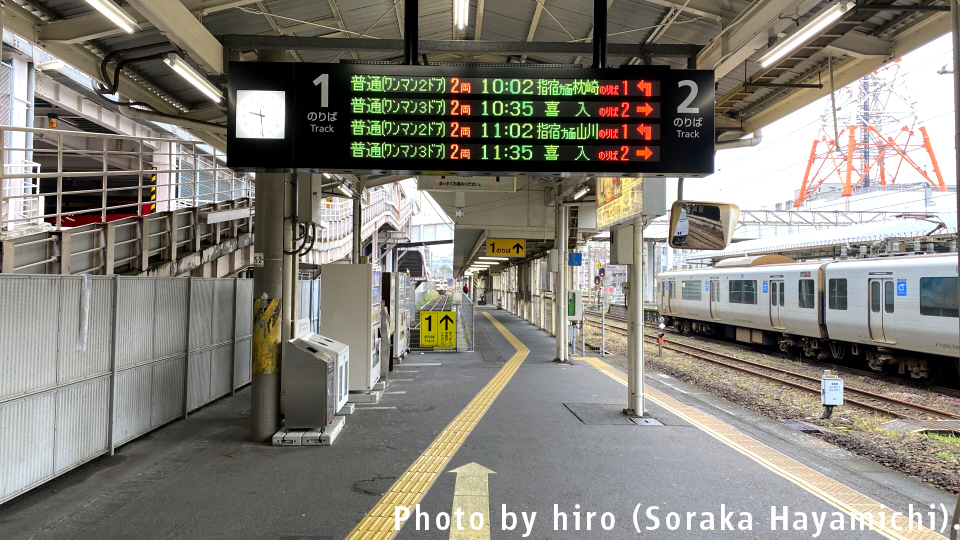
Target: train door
(715,299)
(777,309)
(883,293)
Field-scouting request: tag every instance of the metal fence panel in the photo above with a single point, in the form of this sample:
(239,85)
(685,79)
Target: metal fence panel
(222,315)
(83,423)
(27,457)
(74,364)
(198,379)
(133,403)
(242,362)
(167,395)
(28,348)
(201,312)
(220,369)
(171,314)
(465,314)
(137,303)
(244,308)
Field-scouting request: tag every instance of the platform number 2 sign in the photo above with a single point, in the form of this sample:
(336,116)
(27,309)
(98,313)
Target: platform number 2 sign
(685,107)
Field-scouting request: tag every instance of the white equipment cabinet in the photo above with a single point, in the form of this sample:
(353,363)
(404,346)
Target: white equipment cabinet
(351,314)
(340,353)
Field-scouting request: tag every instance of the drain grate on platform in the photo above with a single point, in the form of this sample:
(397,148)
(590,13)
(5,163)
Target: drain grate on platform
(646,421)
(800,426)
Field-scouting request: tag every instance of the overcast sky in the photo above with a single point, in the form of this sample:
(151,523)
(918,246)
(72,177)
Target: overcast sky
(770,173)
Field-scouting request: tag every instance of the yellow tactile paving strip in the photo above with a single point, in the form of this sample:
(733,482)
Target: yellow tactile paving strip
(413,484)
(844,498)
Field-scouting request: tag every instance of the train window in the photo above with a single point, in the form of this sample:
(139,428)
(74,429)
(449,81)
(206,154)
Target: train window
(690,290)
(783,287)
(743,291)
(806,293)
(837,289)
(938,296)
(888,292)
(773,293)
(875,296)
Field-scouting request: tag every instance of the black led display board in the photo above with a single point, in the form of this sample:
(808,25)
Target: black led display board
(363,119)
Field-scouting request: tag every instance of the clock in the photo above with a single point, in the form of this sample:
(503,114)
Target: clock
(261,114)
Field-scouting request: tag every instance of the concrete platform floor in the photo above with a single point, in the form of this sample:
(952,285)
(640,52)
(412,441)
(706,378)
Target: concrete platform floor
(553,435)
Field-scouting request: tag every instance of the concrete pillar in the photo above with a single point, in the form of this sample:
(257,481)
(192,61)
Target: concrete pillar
(268,296)
(357,230)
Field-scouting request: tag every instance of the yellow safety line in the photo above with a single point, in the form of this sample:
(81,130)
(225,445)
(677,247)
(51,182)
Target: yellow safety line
(844,498)
(413,484)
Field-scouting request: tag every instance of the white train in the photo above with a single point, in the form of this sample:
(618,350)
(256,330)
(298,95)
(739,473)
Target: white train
(899,314)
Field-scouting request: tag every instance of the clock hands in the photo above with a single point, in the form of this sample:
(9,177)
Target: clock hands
(261,120)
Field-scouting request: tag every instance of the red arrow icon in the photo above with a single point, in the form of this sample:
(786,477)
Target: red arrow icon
(646,109)
(645,88)
(645,153)
(645,131)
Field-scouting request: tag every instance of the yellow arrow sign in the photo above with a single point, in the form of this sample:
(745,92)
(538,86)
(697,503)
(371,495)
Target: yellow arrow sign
(438,329)
(471,503)
(506,247)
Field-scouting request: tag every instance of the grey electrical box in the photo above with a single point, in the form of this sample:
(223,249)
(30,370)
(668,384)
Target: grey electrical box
(621,244)
(309,199)
(309,375)
(655,197)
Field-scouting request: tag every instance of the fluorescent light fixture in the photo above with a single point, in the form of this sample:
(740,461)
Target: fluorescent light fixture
(52,65)
(581,193)
(461,9)
(193,77)
(116,15)
(494,258)
(345,191)
(805,34)
(326,175)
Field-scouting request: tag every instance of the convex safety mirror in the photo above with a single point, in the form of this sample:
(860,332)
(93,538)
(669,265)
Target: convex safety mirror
(702,225)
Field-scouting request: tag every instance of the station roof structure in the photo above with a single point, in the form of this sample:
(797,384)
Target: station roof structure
(728,37)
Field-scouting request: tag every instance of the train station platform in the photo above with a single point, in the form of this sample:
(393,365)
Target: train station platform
(500,428)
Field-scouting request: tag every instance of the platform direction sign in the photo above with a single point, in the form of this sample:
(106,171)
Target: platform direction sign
(506,247)
(438,329)
(471,120)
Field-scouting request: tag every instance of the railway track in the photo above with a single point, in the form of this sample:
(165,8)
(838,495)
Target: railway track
(864,398)
(612,320)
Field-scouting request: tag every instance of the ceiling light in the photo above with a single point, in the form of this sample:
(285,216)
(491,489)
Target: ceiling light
(494,258)
(52,65)
(116,15)
(581,193)
(344,190)
(805,34)
(461,8)
(193,77)
(326,175)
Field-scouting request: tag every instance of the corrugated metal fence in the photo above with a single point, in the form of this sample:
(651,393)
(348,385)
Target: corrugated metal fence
(150,350)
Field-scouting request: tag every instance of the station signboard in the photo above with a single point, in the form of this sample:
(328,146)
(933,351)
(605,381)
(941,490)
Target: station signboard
(506,247)
(443,120)
(438,329)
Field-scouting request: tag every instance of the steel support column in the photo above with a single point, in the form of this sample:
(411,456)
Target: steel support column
(267,293)
(560,298)
(411,31)
(357,230)
(955,23)
(599,33)
(635,404)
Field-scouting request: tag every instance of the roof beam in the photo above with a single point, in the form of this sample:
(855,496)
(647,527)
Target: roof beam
(533,25)
(181,27)
(245,42)
(917,34)
(749,32)
(700,8)
(479,28)
(336,15)
(861,46)
(276,28)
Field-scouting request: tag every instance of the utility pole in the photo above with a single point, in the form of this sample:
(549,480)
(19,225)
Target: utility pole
(635,405)
(560,301)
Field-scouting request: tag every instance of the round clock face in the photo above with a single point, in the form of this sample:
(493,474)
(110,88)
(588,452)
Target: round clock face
(260,114)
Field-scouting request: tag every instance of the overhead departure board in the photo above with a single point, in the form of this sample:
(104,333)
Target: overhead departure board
(361,118)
